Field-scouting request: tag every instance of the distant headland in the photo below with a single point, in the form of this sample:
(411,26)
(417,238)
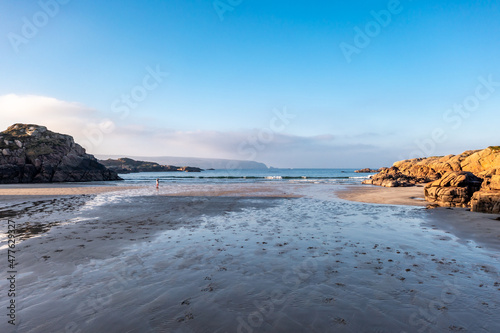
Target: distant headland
(128,165)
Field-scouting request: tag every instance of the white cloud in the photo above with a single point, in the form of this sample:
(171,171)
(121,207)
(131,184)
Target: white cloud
(58,116)
(99,135)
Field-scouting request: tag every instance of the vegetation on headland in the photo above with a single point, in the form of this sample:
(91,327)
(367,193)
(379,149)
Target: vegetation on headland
(128,165)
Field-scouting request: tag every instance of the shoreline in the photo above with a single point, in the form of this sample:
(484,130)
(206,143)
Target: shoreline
(29,190)
(407,196)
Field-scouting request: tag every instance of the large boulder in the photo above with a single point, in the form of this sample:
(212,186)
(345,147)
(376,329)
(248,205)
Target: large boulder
(454,189)
(487,200)
(482,162)
(33,154)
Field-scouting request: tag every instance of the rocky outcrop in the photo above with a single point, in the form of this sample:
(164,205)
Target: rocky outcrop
(128,165)
(487,200)
(391,178)
(33,154)
(367,170)
(422,170)
(482,163)
(445,180)
(454,189)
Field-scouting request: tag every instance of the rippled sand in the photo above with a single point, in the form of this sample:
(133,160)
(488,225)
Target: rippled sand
(288,258)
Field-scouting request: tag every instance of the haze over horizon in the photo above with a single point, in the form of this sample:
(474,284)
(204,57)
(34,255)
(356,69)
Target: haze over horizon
(299,85)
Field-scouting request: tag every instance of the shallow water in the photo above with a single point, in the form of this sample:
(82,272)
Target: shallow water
(311,264)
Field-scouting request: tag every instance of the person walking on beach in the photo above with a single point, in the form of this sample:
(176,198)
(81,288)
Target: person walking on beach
(157,183)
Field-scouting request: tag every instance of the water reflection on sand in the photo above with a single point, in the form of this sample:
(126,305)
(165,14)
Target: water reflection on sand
(154,263)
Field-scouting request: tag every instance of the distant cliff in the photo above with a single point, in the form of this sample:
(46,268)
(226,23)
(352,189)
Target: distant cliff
(204,163)
(33,154)
(471,179)
(128,165)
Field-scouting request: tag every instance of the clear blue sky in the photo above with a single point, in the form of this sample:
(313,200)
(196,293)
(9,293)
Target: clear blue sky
(229,68)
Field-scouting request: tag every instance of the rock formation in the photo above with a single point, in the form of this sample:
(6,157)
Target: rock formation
(128,165)
(452,181)
(420,170)
(487,200)
(454,189)
(367,170)
(33,154)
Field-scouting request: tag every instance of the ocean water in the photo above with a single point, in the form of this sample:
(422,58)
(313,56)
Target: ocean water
(316,176)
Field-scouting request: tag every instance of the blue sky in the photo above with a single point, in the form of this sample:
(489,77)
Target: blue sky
(233,65)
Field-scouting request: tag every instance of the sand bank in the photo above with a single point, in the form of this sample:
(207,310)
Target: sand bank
(410,196)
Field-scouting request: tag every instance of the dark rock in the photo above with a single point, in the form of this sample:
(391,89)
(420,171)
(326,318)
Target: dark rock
(33,154)
(128,165)
(367,170)
(487,200)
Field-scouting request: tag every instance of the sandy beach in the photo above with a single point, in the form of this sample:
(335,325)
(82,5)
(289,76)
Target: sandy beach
(248,258)
(410,196)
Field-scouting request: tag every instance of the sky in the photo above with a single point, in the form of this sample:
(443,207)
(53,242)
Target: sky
(300,84)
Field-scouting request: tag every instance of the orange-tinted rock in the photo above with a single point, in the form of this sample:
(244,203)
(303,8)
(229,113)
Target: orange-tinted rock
(486,202)
(454,189)
(484,164)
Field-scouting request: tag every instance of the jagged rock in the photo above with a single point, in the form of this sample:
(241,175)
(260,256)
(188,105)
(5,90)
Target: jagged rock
(484,164)
(454,189)
(425,170)
(367,170)
(390,178)
(486,202)
(482,161)
(33,154)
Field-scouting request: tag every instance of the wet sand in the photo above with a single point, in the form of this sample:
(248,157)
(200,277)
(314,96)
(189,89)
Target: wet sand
(411,196)
(7,192)
(219,260)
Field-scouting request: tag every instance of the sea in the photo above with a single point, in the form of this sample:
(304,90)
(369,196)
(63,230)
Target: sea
(229,176)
